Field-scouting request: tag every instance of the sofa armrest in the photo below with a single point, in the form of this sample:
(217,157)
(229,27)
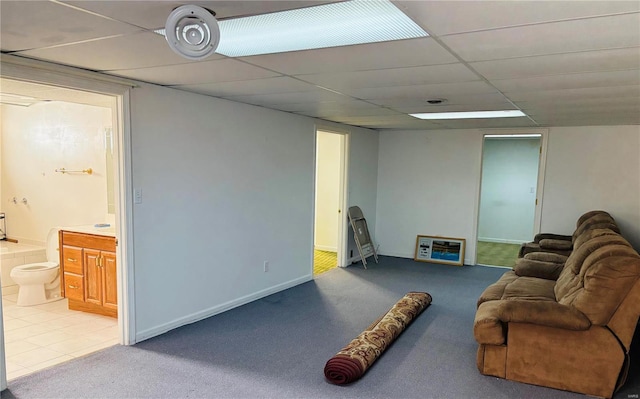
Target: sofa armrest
(562,245)
(545,313)
(550,236)
(525,267)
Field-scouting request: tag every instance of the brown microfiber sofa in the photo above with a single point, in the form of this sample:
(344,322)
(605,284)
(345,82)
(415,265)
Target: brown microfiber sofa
(563,244)
(573,333)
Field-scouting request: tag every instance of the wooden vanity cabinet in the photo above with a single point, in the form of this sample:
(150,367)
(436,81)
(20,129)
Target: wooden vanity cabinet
(88,264)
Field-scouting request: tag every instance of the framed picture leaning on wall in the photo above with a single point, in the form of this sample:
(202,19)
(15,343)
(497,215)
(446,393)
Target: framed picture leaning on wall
(436,249)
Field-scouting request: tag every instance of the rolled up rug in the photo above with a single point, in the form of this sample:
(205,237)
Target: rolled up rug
(354,359)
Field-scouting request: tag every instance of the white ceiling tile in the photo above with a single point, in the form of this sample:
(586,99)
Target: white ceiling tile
(381,120)
(315,95)
(324,107)
(424,92)
(576,94)
(152,14)
(602,118)
(570,81)
(392,77)
(224,70)
(583,111)
(558,37)
(147,14)
(446,17)
(396,54)
(33,24)
(139,50)
(586,61)
(576,104)
(477,106)
(281,84)
(350,112)
(488,123)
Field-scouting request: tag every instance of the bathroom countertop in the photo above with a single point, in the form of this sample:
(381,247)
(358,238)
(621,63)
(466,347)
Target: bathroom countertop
(91,229)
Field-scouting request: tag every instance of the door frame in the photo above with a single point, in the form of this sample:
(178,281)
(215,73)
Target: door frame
(343,195)
(544,140)
(45,73)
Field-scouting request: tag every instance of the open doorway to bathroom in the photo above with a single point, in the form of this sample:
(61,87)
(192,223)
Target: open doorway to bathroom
(330,220)
(56,172)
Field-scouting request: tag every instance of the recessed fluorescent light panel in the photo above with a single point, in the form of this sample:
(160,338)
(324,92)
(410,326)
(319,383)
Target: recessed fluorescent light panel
(328,25)
(470,115)
(510,136)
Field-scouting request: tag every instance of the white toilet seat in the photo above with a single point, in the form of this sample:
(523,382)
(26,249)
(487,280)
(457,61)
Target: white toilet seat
(33,267)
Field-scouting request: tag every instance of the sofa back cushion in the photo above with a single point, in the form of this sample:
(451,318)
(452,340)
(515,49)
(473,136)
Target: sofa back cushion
(598,284)
(593,233)
(597,221)
(593,239)
(590,214)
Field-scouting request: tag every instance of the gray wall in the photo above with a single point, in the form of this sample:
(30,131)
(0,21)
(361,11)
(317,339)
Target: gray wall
(225,187)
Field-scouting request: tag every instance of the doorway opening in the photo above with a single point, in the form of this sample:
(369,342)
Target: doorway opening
(60,159)
(329,219)
(509,205)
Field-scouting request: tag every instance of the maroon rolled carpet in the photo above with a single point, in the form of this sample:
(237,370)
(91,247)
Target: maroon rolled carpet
(354,359)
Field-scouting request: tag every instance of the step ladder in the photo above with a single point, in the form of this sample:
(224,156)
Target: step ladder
(361,235)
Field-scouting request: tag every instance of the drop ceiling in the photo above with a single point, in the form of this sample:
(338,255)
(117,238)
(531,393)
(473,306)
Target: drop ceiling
(563,63)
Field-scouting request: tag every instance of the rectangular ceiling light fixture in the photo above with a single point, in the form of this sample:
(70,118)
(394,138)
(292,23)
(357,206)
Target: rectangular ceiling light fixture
(511,136)
(329,25)
(470,115)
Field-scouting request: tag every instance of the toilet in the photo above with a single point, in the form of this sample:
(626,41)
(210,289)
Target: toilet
(40,282)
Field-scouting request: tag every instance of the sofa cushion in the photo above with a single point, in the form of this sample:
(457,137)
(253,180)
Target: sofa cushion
(570,280)
(529,288)
(495,290)
(589,215)
(598,221)
(535,268)
(593,233)
(556,244)
(610,272)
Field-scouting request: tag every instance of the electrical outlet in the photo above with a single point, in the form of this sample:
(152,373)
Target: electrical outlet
(266,266)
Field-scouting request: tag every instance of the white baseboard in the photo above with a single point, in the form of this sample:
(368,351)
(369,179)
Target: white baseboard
(203,314)
(325,248)
(501,240)
(467,261)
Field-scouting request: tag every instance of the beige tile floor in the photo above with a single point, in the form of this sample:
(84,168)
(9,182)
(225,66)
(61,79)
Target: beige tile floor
(37,337)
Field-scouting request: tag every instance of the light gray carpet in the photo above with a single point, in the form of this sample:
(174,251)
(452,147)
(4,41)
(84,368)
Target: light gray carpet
(277,347)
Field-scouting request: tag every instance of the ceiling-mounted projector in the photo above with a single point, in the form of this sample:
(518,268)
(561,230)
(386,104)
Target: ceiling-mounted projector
(192,32)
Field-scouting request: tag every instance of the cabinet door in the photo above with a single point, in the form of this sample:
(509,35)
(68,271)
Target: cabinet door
(92,277)
(109,280)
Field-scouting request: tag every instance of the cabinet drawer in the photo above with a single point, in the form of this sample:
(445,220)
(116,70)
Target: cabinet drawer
(72,259)
(74,286)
